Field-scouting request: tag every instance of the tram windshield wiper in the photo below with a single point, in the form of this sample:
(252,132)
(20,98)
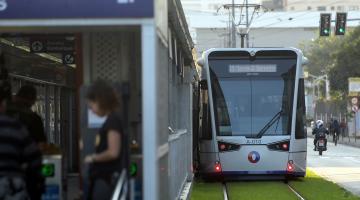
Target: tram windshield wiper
(269,124)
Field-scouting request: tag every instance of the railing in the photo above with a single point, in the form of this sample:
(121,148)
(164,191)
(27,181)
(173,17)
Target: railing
(121,189)
(180,161)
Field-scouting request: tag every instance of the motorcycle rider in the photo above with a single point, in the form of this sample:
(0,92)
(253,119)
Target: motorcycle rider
(319,129)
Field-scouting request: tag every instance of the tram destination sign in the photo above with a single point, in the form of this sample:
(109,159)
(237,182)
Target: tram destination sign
(67,9)
(252,68)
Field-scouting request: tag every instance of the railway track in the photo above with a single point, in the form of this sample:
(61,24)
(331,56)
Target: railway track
(291,189)
(295,192)
(225,191)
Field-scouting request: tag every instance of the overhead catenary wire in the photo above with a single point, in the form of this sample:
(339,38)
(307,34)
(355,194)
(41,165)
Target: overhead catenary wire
(303,13)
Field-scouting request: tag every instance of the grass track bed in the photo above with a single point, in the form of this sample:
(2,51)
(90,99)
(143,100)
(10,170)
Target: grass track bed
(259,190)
(314,187)
(207,191)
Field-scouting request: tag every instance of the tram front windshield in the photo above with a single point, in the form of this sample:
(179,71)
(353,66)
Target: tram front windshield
(253,98)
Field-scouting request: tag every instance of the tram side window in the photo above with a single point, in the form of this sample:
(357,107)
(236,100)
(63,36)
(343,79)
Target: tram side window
(206,119)
(300,132)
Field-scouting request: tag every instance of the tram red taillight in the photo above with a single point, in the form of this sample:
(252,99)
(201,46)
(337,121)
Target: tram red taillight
(217,167)
(222,147)
(290,166)
(285,146)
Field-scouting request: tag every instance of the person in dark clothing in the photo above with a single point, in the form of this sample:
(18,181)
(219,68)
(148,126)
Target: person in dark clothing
(318,130)
(20,157)
(330,126)
(343,127)
(20,109)
(107,162)
(336,129)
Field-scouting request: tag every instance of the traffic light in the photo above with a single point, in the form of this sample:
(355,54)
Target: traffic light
(325,24)
(340,26)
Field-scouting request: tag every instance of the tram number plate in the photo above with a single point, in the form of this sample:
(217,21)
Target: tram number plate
(253,141)
(321,143)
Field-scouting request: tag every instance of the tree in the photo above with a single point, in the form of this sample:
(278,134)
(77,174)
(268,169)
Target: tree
(347,62)
(320,54)
(339,58)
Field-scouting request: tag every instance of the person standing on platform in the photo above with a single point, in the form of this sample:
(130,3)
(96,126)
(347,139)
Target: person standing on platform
(108,160)
(343,127)
(21,109)
(20,157)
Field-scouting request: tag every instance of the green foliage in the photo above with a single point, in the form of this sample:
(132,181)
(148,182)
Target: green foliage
(338,57)
(347,62)
(320,53)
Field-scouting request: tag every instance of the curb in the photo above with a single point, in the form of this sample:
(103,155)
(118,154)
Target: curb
(185,194)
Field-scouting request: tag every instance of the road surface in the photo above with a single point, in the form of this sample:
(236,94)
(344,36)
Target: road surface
(340,164)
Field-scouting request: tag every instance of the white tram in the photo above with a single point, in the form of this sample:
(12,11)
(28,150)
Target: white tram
(252,113)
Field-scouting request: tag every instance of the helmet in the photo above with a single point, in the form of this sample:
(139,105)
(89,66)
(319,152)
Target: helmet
(319,123)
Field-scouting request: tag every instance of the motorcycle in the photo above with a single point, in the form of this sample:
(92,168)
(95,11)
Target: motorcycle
(321,144)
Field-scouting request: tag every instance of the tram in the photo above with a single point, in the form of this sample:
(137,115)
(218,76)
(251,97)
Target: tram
(251,113)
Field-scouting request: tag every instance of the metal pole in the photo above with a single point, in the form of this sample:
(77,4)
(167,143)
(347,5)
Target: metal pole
(314,99)
(242,40)
(149,112)
(355,125)
(347,129)
(233,25)
(342,131)
(247,23)
(230,32)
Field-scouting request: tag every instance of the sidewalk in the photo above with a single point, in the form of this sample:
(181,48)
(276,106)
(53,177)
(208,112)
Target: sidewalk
(350,141)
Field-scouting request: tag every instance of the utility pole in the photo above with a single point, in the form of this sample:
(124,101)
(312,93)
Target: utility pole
(242,35)
(233,32)
(247,23)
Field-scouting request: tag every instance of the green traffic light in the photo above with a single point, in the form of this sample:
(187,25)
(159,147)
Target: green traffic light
(341,30)
(326,31)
